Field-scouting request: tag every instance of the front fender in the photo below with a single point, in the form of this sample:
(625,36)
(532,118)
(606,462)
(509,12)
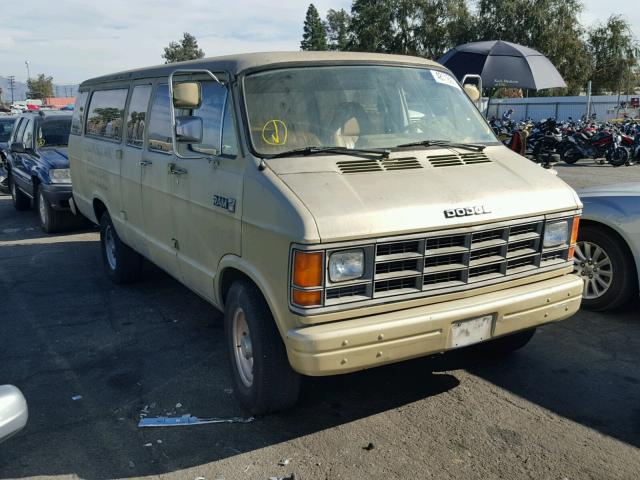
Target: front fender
(238,263)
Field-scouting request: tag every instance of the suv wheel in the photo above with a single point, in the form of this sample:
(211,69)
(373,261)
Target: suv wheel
(605,265)
(263,379)
(20,201)
(50,220)
(122,263)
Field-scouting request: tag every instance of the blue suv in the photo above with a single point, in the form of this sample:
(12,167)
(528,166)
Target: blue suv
(38,167)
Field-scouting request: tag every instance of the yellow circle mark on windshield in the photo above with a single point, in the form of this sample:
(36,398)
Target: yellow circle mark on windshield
(275,132)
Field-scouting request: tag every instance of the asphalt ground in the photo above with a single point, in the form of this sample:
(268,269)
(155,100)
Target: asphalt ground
(567,406)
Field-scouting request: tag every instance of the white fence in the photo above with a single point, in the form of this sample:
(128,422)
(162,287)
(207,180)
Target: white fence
(605,107)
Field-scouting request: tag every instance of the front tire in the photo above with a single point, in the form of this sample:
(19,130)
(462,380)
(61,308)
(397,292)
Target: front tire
(20,201)
(263,378)
(606,266)
(50,220)
(122,263)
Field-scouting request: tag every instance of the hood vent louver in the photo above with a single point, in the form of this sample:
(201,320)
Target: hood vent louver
(458,159)
(379,165)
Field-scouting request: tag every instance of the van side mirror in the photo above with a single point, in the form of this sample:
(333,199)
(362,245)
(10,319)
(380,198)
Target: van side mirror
(472,91)
(13,411)
(187,95)
(472,84)
(18,147)
(189,129)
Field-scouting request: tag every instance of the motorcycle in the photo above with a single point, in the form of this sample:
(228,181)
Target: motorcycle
(602,144)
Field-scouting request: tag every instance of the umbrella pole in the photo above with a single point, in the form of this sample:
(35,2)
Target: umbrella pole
(488,105)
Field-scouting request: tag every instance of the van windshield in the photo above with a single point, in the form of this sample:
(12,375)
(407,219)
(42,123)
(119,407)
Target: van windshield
(358,107)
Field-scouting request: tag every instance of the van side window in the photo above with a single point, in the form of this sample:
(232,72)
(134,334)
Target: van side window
(27,137)
(136,120)
(105,113)
(213,101)
(160,121)
(229,138)
(78,113)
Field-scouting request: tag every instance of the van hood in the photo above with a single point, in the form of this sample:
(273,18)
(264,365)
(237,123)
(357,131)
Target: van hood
(393,201)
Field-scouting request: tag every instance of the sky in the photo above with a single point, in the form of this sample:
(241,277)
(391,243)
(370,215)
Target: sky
(73,40)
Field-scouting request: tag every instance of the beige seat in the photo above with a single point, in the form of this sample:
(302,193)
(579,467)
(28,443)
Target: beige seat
(349,124)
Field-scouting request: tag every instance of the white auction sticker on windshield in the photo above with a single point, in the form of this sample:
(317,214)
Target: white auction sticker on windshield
(444,78)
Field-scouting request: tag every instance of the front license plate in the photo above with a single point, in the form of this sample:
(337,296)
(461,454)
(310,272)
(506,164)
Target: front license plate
(468,332)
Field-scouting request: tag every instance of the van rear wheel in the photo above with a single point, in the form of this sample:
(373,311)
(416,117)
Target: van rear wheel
(263,379)
(122,263)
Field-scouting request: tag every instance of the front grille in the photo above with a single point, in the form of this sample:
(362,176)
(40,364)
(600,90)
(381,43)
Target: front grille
(446,262)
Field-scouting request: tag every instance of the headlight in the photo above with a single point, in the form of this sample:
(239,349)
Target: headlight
(60,175)
(556,234)
(346,265)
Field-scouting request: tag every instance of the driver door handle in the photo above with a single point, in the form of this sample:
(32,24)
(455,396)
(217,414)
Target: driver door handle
(174,170)
(144,163)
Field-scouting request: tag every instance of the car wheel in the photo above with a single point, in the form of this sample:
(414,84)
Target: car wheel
(607,268)
(50,220)
(20,201)
(502,346)
(263,378)
(122,263)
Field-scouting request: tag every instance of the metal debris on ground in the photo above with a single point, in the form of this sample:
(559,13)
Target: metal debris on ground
(228,391)
(188,420)
(178,405)
(371,446)
(284,462)
(286,477)
(148,444)
(76,397)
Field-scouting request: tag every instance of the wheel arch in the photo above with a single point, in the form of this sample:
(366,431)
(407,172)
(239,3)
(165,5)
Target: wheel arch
(233,268)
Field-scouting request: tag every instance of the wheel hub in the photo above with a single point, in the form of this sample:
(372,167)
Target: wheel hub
(110,248)
(243,347)
(593,264)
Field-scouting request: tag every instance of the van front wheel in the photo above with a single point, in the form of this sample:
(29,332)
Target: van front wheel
(263,379)
(122,263)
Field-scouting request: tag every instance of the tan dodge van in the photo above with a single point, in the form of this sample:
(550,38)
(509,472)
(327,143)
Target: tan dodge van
(344,210)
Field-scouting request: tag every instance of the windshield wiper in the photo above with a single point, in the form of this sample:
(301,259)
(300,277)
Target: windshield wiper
(358,152)
(476,147)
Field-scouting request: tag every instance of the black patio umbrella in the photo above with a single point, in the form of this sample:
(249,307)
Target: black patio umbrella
(503,64)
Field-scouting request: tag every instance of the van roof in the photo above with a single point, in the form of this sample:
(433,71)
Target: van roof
(236,64)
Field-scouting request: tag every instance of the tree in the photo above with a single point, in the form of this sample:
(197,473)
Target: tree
(314,36)
(40,87)
(337,26)
(372,26)
(615,56)
(185,49)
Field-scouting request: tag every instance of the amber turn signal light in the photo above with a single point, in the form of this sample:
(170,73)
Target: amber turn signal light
(307,269)
(574,236)
(306,298)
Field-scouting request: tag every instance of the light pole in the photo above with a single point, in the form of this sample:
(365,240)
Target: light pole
(26,62)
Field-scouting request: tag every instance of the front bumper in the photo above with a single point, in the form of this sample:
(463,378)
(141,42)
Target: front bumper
(347,346)
(57,195)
